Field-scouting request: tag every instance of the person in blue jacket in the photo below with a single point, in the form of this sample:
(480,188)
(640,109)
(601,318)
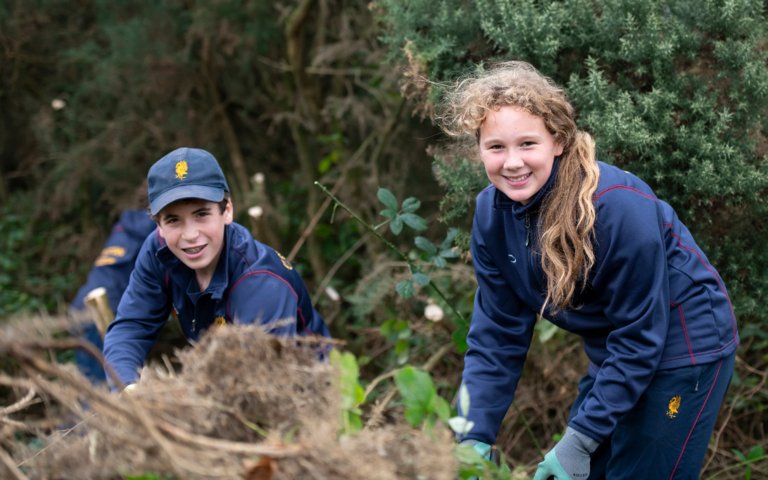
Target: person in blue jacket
(591,248)
(111,271)
(202,267)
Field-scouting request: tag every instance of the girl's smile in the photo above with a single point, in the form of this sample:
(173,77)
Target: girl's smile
(517,151)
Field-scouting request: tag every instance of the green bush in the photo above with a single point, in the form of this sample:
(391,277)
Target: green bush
(676,92)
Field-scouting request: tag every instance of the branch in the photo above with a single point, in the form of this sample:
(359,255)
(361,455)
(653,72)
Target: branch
(411,265)
(21,404)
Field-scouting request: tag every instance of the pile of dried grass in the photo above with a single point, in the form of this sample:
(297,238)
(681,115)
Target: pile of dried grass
(245,405)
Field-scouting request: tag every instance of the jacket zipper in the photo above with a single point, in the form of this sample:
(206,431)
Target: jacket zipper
(527,229)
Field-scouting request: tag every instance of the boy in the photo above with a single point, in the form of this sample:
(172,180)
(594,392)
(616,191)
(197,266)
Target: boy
(203,267)
(111,271)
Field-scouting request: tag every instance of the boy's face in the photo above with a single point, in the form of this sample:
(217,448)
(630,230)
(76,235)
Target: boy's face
(194,231)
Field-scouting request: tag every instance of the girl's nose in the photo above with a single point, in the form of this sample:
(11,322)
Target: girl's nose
(512,161)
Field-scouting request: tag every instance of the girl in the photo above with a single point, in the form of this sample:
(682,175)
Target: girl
(590,247)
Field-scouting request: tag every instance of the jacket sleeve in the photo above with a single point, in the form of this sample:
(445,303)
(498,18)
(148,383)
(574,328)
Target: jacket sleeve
(111,270)
(141,314)
(266,298)
(113,267)
(499,337)
(633,284)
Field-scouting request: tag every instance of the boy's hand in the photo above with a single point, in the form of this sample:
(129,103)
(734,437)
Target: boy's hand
(130,388)
(570,458)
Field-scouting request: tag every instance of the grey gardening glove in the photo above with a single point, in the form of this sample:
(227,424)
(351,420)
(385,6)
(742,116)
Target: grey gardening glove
(482,448)
(485,451)
(569,460)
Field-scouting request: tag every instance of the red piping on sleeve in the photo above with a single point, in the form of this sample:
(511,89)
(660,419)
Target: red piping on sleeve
(685,332)
(272,274)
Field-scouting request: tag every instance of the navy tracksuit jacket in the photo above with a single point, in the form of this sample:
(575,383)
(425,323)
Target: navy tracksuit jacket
(252,284)
(653,301)
(111,270)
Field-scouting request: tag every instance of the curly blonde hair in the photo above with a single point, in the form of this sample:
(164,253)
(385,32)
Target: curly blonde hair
(568,214)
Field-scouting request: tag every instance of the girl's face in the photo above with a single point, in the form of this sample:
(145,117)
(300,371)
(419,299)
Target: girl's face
(517,151)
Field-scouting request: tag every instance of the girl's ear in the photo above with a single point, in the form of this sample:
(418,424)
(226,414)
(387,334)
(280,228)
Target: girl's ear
(558,149)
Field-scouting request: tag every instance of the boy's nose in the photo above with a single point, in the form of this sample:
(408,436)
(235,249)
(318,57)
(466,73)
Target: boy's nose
(189,233)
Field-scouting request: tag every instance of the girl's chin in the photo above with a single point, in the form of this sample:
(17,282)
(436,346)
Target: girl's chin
(519,196)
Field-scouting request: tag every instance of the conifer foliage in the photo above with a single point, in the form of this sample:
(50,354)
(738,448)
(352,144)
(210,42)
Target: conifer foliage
(672,91)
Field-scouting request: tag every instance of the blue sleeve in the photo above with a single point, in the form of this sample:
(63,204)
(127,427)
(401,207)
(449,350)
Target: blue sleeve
(264,297)
(632,282)
(111,270)
(499,338)
(141,315)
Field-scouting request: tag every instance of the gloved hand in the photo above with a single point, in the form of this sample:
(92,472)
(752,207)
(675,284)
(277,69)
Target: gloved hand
(569,459)
(482,448)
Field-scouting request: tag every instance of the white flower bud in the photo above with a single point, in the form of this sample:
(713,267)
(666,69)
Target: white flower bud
(255,212)
(433,312)
(332,294)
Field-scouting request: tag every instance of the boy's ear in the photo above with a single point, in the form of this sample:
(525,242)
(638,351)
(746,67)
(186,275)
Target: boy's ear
(229,212)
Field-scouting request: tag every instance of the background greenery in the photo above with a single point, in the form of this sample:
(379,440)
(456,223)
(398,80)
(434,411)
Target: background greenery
(341,93)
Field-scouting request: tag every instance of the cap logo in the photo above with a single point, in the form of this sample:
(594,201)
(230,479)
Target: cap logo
(181,169)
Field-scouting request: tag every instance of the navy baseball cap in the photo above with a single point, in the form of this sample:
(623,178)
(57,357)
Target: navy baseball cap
(185,173)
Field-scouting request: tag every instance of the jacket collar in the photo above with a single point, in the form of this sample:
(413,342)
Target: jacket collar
(503,202)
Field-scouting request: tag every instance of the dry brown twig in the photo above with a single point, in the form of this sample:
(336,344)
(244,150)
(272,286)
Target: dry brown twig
(242,394)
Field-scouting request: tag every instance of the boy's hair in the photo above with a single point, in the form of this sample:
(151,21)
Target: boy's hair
(222,205)
(568,214)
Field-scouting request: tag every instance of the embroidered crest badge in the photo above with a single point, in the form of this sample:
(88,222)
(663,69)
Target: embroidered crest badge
(109,256)
(219,321)
(285,261)
(674,406)
(181,169)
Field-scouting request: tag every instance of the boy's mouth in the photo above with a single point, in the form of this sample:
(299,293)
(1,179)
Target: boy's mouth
(193,250)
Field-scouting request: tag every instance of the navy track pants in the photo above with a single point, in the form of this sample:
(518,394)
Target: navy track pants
(665,437)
